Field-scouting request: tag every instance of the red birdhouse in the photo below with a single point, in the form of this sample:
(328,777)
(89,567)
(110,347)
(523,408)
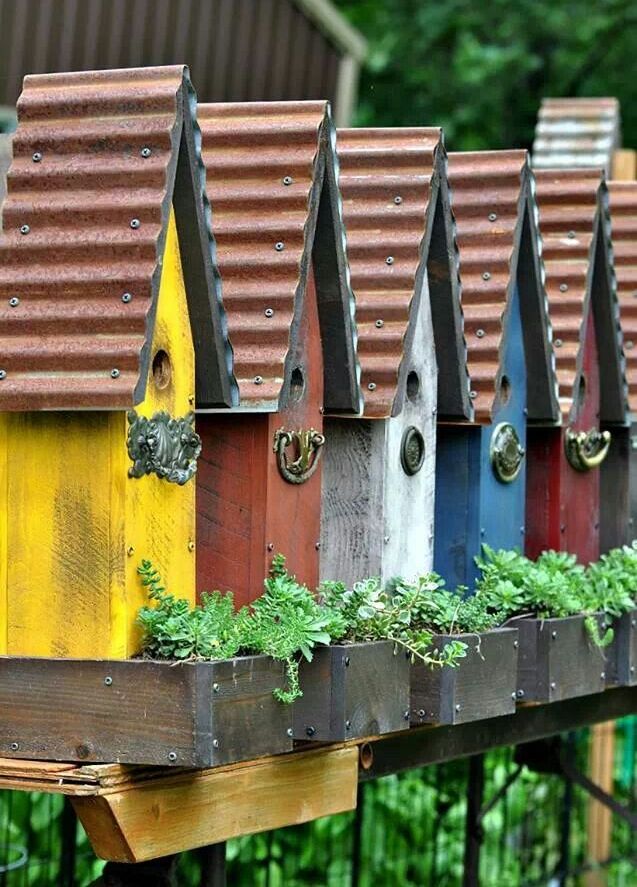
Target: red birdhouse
(271,178)
(563,504)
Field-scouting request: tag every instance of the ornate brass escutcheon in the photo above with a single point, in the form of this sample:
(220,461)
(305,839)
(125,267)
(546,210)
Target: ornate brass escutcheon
(163,446)
(307,449)
(586,449)
(412,450)
(506,452)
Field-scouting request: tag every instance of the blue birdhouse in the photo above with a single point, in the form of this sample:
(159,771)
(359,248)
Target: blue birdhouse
(480,471)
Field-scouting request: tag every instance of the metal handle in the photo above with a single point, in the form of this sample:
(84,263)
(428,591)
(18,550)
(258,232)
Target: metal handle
(586,449)
(163,446)
(307,450)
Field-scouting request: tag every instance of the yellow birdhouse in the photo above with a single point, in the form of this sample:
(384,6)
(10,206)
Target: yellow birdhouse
(107,290)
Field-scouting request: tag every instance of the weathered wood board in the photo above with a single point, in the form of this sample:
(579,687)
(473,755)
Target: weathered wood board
(178,813)
(622,654)
(196,714)
(482,686)
(558,660)
(352,691)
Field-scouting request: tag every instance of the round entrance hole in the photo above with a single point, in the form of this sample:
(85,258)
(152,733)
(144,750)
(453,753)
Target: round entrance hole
(505,390)
(297,384)
(162,370)
(413,385)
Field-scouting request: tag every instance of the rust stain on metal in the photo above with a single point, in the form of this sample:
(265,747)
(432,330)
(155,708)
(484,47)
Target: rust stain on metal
(84,220)
(261,164)
(576,133)
(385,178)
(489,202)
(572,210)
(623,209)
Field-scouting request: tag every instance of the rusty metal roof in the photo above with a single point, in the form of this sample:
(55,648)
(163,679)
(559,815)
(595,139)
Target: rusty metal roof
(272,182)
(577,133)
(575,229)
(623,210)
(98,158)
(499,245)
(399,227)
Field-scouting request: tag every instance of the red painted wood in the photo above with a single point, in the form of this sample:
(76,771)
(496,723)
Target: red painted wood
(562,506)
(246,512)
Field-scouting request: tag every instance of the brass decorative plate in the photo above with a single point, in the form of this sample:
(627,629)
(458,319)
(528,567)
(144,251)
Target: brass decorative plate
(506,452)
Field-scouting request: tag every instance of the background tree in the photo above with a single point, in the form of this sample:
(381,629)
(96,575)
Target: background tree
(480,69)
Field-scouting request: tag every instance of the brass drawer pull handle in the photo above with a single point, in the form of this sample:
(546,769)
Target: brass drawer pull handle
(586,449)
(307,449)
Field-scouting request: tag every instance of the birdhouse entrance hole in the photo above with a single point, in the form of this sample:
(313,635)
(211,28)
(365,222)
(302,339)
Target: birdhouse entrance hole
(162,370)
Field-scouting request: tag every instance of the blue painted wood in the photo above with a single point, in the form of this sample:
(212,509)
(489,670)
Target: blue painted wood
(472,505)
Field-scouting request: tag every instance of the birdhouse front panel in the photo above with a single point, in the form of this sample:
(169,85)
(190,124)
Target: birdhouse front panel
(480,474)
(623,208)
(379,469)
(98,380)
(280,248)
(563,510)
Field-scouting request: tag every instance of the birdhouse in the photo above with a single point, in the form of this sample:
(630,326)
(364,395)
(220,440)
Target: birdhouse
(271,178)
(107,296)
(378,474)
(623,208)
(480,470)
(563,507)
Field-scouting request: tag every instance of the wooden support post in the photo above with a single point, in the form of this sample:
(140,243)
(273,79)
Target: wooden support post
(601,760)
(213,865)
(624,165)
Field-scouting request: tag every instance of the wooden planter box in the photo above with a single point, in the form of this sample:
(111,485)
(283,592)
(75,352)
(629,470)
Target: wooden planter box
(187,714)
(558,660)
(482,686)
(351,691)
(621,666)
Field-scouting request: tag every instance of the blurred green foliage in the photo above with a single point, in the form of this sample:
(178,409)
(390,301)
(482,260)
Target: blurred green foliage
(481,69)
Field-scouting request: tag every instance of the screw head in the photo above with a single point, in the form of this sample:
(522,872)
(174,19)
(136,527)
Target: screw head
(14,301)
(571,235)
(269,312)
(563,287)
(480,334)
(553,685)
(24,229)
(486,275)
(553,634)
(372,386)
(215,743)
(115,373)
(632,669)
(258,380)
(279,245)
(317,545)
(135,223)
(602,676)
(421,712)
(516,644)
(270,546)
(520,694)
(493,217)
(629,345)
(172,756)
(389,260)
(36,157)
(14,746)
(290,732)
(191,545)
(406,715)
(348,725)
(130,551)
(287,180)
(145,152)
(380,323)
(310,731)
(513,695)
(558,343)
(473,395)
(108,681)
(215,688)
(126,298)
(458,706)
(3,375)
(633,623)
(398,200)
(385,539)
(346,661)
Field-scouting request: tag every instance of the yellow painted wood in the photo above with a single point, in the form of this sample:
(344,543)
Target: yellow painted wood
(625,165)
(78,526)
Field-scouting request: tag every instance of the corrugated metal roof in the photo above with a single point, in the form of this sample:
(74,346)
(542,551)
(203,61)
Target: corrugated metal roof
(576,133)
(494,207)
(266,167)
(575,228)
(84,221)
(390,182)
(623,209)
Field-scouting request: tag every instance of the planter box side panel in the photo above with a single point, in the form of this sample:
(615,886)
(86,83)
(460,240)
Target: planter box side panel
(376,689)
(247,721)
(533,679)
(576,666)
(626,648)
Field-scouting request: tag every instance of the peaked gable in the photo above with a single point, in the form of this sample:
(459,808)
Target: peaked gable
(623,213)
(578,257)
(499,248)
(100,159)
(576,133)
(272,181)
(399,228)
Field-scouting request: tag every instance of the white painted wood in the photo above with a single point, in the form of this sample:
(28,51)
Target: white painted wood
(376,519)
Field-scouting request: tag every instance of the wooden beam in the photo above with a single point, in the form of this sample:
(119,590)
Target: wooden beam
(175,813)
(624,165)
